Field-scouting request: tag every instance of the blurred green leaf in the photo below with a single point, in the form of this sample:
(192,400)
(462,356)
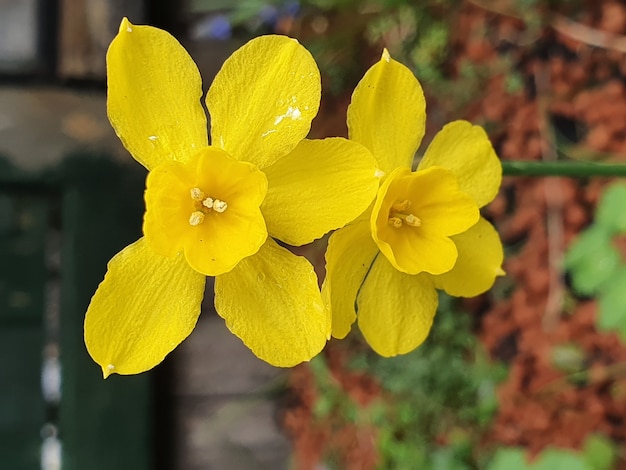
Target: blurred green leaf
(444,458)
(612,300)
(549,459)
(610,212)
(557,459)
(592,260)
(599,453)
(568,358)
(508,459)
(453,381)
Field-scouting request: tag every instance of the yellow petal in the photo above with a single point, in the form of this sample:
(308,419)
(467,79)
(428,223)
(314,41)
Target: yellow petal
(349,256)
(263,99)
(320,186)
(479,262)
(387,113)
(213,240)
(154,92)
(395,310)
(466,150)
(168,207)
(146,305)
(414,215)
(271,301)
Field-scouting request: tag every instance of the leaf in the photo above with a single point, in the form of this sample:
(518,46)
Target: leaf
(599,452)
(592,260)
(549,459)
(445,459)
(556,459)
(509,459)
(568,358)
(610,212)
(612,300)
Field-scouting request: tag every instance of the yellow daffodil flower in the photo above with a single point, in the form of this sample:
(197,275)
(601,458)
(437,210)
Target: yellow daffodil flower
(424,231)
(212,210)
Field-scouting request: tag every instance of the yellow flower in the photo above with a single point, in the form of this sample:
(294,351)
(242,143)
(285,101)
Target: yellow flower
(213,209)
(424,231)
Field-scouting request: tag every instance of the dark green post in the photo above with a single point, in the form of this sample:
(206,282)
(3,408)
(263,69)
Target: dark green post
(103,424)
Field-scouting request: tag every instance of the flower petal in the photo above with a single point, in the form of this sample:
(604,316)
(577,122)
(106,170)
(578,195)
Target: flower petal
(263,99)
(154,92)
(168,206)
(395,310)
(271,301)
(479,262)
(466,150)
(145,306)
(387,113)
(320,186)
(215,243)
(350,254)
(438,210)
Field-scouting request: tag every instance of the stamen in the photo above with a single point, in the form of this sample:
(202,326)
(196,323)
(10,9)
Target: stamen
(208,203)
(398,215)
(412,220)
(395,222)
(196,218)
(197,194)
(401,206)
(219,206)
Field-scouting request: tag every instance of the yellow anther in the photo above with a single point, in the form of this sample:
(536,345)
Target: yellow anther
(395,222)
(197,194)
(398,219)
(401,206)
(196,218)
(412,220)
(219,206)
(215,204)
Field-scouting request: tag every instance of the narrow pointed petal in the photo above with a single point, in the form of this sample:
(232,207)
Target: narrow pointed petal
(350,254)
(395,310)
(146,305)
(263,99)
(320,186)
(478,264)
(388,113)
(466,150)
(154,93)
(271,301)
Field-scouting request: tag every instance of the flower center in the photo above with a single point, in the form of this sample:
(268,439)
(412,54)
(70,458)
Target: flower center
(399,215)
(203,205)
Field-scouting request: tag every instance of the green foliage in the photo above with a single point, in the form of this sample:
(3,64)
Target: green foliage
(330,397)
(569,358)
(596,266)
(592,260)
(610,213)
(437,401)
(597,454)
(508,459)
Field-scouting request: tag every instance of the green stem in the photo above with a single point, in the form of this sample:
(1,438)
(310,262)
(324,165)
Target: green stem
(572,169)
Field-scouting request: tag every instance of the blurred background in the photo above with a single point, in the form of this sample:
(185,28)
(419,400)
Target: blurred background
(531,375)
